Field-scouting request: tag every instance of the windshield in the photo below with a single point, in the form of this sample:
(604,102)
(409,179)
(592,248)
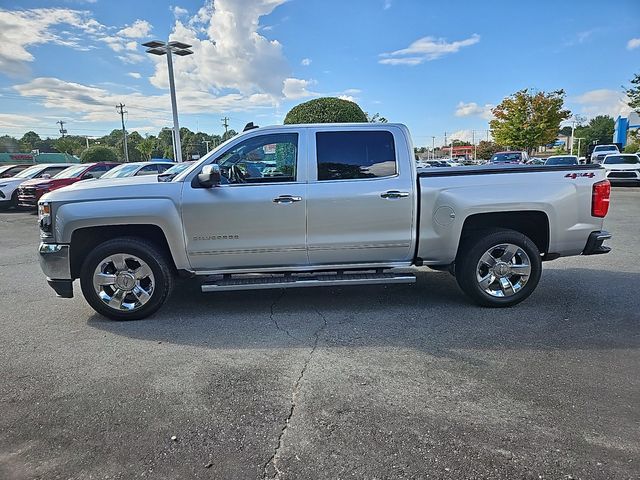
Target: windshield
(622,160)
(29,172)
(71,172)
(602,148)
(506,157)
(176,169)
(121,171)
(562,161)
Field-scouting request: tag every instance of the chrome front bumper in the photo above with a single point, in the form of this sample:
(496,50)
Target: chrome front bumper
(54,261)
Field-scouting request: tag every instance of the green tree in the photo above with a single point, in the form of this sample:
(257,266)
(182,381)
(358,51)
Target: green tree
(30,141)
(146,147)
(633,92)
(375,118)
(9,144)
(485,150)
(66,145)
(326,110)
(524,121)
(99,153)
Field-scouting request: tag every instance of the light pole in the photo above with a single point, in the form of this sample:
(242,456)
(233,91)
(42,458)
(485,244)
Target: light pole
(169,49)
(579,145)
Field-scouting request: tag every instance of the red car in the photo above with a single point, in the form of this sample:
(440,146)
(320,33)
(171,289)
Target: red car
(30,191)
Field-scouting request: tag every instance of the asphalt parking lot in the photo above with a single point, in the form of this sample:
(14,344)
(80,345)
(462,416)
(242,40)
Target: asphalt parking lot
(359,382)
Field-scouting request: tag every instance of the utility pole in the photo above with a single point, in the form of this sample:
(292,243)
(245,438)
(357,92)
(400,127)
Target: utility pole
(63,130)
(433,147)
(225,123)
(473,142)
(207,142)
(120,109)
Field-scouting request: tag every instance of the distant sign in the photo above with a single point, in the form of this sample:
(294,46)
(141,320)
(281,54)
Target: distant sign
(21,157)
(269,149)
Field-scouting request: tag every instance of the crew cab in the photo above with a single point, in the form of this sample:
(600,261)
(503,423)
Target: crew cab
(339,204)
(9,186)
(30,191)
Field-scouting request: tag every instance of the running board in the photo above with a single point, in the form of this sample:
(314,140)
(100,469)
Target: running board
(259,282)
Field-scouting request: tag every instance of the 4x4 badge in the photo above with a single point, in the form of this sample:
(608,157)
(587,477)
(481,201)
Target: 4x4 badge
(576,175)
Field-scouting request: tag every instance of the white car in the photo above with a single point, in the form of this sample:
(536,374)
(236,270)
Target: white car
(136,169)
(9,186)
(601,151)
(622,168)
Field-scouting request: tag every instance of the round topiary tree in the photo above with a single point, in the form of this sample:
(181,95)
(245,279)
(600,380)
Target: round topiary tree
(98,153)
(326,110)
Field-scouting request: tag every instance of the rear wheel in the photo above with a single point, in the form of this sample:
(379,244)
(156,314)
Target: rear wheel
(498,268)
(126,279)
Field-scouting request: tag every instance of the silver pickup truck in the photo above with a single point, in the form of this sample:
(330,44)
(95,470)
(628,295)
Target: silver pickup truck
(312,205)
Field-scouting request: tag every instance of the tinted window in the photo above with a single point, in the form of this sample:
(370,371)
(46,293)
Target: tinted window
(10,172)
(148,170)
(622,159)
(266,158)
(562,161)
(52,171)
(506,157)
(350,155)
(98,171)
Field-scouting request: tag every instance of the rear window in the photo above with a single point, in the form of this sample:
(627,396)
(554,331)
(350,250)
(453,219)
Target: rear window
(357,154)
(506,157)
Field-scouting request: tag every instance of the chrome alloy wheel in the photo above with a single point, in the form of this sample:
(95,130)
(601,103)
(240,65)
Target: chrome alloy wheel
(123,282)
(503,270)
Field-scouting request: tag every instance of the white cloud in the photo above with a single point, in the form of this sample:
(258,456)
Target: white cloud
(472,109)
(138,29)
(426,49)
(305,62)
(295,88)
(134,74)
(463,136)
(633,43)
(603,102)
(387,4)
(179,11)
(22,29)
(131,58)
(347,97)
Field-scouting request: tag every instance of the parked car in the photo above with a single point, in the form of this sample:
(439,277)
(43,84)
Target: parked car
(562,160)
(174,170)
(601,151)
(9,186)
(536,161)
(437,163)
(347,207)
(8,171)
(137,169)
(30,191)
(622,168)
(509,157)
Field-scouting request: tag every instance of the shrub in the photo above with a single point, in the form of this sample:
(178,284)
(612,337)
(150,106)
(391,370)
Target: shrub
(98,153)
(326,110)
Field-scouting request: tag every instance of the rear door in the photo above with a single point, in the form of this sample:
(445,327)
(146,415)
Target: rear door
(361,196)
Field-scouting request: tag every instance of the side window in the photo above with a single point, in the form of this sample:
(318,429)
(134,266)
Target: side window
(148,170)
(261,159)
(98,171)
(51,171)
(12,171)
(355,154)
(162,168)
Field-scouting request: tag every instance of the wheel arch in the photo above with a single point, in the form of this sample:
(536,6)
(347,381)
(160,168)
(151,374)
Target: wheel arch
(83,240)
(532,223)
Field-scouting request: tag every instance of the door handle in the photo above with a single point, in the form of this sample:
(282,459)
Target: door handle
(394,194)
(287,199)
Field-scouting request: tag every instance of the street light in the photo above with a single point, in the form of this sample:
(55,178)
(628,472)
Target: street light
(157,47)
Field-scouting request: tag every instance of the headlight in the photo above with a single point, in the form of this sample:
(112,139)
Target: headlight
(44,219)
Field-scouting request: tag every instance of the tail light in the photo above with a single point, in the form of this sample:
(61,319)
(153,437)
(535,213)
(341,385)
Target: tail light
(600,199)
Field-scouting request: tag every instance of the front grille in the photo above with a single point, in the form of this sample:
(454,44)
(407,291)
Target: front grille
(622,175)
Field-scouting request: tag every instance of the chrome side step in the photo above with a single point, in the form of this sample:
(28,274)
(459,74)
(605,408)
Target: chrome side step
(259,282)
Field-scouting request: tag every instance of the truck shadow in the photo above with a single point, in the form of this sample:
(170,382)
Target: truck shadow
(572,308)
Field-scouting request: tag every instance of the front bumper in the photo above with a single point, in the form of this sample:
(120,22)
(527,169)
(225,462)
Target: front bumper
(594,243)
(54,262)
(28,197)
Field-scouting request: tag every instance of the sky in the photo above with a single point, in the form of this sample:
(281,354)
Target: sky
(435,66)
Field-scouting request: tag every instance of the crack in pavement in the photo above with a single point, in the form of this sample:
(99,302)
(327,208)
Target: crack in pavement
(273,460)
(273,318)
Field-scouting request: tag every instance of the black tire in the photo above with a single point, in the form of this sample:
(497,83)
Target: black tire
(145,251)
(471,251)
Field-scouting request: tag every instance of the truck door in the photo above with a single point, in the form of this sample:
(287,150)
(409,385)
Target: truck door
(257,217)
(361,196)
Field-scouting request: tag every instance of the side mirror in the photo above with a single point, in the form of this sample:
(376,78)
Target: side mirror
(45,176)
(210,176)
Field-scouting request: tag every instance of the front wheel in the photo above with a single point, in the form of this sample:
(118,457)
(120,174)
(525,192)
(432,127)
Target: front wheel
(126,279)
(498,268)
